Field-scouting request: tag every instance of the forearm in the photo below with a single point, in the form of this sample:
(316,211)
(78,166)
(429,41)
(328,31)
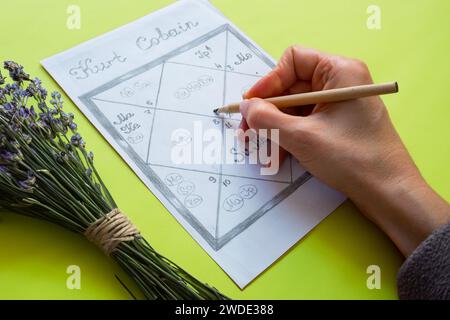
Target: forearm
(407,210)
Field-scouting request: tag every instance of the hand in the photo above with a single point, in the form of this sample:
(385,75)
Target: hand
(351,146)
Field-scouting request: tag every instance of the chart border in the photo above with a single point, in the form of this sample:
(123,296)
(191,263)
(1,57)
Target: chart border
(214,242)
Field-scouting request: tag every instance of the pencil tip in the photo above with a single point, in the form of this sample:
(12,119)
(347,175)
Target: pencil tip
(216,111)
(396,86)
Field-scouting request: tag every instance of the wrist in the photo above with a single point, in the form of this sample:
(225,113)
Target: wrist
(405,208)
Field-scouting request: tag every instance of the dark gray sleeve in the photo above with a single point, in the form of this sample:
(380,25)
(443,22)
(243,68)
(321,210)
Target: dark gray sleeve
(426,273)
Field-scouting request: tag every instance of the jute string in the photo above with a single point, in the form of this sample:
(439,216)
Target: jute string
(111,230)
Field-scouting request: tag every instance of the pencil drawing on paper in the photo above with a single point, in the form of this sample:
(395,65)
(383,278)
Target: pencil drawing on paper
(142,108)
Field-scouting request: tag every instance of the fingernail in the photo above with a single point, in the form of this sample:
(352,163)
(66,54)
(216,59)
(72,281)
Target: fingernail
(244,107)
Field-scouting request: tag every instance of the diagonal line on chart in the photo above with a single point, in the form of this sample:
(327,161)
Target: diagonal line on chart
(124,103)
(180,168)
(154,115)
(187,112)
(216,173)
(216,69)
(222,130)
(290,164)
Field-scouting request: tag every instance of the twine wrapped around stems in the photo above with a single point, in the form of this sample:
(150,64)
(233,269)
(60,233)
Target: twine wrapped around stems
(111,230)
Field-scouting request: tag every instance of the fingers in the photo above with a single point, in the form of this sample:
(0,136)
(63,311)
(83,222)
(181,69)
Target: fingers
(303,60)
(302,111)
(283,154)
(303,70)
(296,65)
(338,72)
(300,86)
(243,125)
(260,114)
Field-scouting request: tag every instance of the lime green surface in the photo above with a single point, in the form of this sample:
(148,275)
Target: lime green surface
(412,47)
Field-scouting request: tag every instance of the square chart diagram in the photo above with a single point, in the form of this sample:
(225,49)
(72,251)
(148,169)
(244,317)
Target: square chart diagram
(151,109)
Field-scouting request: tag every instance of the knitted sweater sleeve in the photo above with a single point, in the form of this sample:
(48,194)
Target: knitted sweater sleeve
(426,272)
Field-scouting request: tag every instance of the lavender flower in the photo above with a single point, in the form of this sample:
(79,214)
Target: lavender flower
(2,79)
(28,183)
(16,71)
(46,172)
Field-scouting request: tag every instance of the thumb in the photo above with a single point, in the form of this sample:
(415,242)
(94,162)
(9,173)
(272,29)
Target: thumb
(261,114)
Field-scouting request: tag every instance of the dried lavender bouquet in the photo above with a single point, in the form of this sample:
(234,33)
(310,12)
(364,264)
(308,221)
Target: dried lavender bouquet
(47,173)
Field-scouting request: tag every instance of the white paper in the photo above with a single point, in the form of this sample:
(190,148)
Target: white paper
(144,81)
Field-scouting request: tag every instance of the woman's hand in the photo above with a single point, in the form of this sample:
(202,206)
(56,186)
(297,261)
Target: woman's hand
(352,146)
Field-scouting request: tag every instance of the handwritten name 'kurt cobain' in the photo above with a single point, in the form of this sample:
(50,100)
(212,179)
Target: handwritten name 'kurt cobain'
(87,67)
(147,42)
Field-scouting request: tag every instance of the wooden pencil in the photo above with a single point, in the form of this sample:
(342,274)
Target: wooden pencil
(324,96)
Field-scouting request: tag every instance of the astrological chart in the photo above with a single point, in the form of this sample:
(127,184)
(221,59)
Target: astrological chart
(144,109)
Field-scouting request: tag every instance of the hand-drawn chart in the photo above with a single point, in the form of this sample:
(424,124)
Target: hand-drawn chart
(144,107)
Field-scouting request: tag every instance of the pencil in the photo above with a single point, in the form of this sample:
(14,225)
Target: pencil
(324,96)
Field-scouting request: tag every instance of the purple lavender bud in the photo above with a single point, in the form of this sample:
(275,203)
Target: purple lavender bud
(8,106)
(56,95)
(32,112)
(8,156)
(75,139)
(8,88)
(23,112)
(24,185)
(42,106)
(16,71)
(73,126)
(43,93)
(29,182)
(37,82)
(18,93)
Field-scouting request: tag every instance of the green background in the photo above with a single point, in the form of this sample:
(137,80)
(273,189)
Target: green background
(330,262)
